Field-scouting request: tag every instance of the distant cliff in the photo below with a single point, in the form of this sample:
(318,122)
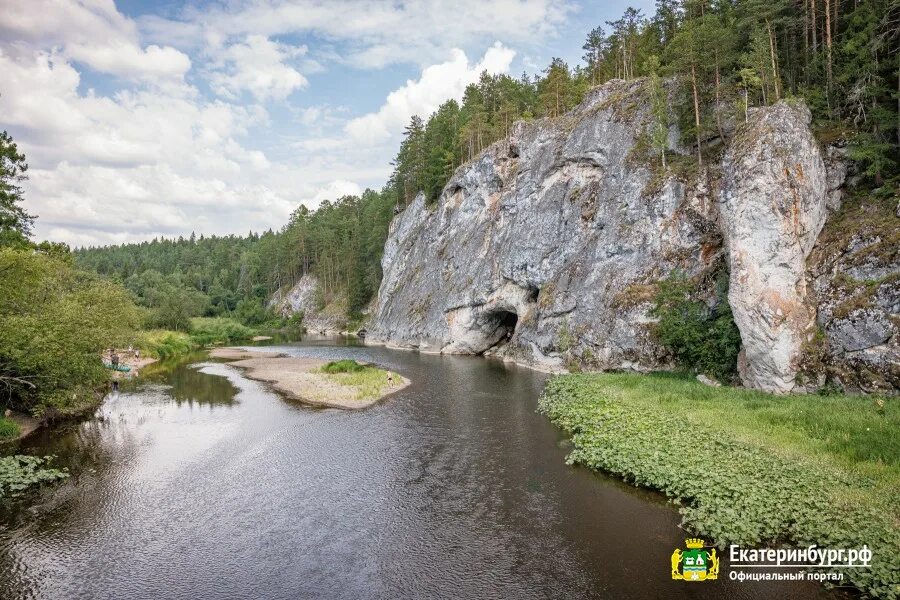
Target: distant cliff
(547,248)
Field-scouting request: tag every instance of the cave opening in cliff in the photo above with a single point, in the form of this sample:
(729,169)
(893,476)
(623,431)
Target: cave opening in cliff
(503,323)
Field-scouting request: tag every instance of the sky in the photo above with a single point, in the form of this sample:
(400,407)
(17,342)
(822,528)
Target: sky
(144,119)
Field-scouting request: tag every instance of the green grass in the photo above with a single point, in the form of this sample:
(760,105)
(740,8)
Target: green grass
(368,381)
(342,366)
(218,330)
(163,344)
(9,430)
(747,467)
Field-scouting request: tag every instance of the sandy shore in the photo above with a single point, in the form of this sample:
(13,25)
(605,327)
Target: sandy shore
(299,378)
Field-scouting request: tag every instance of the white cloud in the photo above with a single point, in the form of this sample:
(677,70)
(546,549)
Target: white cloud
(257,65)
(437,84)
(146,153)
(92,32)
(335,190)
(374,33)
(128,60)
(144,162)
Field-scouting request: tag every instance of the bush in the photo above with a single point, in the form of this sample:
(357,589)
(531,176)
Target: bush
(343,366)
(164,344)
(701,339)
(54,323)
(221,330)
(251,311)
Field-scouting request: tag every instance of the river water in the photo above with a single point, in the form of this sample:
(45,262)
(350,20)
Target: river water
(198,483)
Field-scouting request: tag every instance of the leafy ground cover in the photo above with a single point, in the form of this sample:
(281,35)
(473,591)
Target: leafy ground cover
(19,472)
(747,467)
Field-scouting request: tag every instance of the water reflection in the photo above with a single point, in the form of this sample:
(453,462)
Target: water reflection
(186,382)
(198,483)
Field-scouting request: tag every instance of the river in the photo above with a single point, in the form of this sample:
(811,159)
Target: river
(199,483)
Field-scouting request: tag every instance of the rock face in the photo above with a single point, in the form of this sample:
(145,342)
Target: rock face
(855,270)
(773,208)
(541,250)
(302,299)
(547,248)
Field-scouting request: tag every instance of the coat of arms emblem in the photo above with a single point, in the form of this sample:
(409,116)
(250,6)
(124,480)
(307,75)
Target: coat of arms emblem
(696,563)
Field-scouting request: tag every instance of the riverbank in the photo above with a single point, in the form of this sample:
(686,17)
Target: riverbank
(17,426)
(747,467)
(309,379)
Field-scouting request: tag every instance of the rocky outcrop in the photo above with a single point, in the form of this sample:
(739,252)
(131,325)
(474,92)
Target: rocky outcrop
(301,298)
(541,249)
(548,247)
(773,208)
(855,272)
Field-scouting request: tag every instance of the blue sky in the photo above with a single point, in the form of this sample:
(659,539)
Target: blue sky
(142,119)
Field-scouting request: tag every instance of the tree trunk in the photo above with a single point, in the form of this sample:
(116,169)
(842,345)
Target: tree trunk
(718,111)
(696,112)
(837,5)
(806,29)
(815,26)
(828,51)
(774,61)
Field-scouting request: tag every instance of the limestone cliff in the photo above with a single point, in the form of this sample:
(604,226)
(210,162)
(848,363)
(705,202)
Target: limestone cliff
(301,298)
(546,248)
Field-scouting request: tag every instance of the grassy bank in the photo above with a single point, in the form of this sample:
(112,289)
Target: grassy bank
(369,382)
(164,344)
(748,467)
(9,430)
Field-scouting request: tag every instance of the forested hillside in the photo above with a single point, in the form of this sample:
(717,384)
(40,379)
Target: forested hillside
(840,56)
(340,242)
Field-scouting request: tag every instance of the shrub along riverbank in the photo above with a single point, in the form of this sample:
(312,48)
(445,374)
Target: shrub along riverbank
(748,468)
(165,344)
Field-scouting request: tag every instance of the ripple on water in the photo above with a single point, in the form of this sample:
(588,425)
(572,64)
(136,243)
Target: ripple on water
(200,483)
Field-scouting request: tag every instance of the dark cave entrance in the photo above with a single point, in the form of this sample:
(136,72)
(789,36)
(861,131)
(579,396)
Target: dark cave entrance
(502,325)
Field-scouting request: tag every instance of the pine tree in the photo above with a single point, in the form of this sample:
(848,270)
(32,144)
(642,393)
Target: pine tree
(15,223)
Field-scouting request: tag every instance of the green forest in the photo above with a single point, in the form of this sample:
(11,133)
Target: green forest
(724,57)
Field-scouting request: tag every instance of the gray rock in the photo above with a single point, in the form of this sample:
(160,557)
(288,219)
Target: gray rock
(774,207)
(708,381)
(546,248)
(861,329)
(836,167)
(301,298)
(531,249)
